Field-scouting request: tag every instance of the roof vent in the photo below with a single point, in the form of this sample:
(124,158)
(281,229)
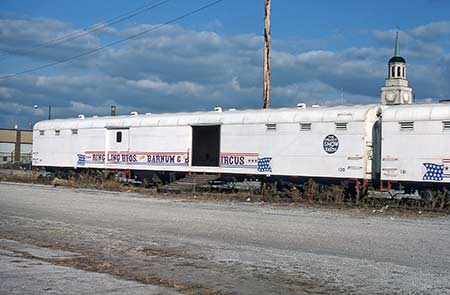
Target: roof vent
(95,116)
(148,113)
(315,106)
(305,126)
(408,125)
(218,109)
(301,106)
(446,125)
(232,110)
(341,125)
(80,116)
(134,113)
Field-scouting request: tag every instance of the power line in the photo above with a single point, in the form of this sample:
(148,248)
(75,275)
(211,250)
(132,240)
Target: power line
(112,43)
(89,29)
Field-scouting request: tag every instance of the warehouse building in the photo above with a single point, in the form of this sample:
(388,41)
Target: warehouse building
(15,145)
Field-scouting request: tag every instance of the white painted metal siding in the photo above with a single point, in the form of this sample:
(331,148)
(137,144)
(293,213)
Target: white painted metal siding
(406,151)
(244,140)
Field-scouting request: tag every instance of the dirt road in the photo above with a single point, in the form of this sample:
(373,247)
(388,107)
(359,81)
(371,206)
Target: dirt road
(210,247)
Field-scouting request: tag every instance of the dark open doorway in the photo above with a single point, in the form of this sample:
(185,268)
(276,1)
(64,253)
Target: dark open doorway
(376,150)
(206,145)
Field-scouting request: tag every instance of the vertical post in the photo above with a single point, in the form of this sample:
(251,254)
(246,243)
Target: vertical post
(267,56)
(113,110)
(49,112)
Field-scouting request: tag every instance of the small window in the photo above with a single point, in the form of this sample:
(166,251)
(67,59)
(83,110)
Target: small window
(119,136)
(41,132)
(57,132)
(341,126)
(5,159)
(398,72)
(446,125)
(407,126)
(404,73)
(393,72)
(305,126)
(271,127)
(74,131)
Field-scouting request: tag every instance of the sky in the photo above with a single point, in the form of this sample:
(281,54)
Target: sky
(323,52)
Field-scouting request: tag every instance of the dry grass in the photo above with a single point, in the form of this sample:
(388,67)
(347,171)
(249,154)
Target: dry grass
(311,193)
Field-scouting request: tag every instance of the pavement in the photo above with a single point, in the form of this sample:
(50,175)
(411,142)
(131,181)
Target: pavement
(20,275)
(223,247)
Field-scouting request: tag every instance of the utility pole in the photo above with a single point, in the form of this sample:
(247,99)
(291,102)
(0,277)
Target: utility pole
(267,56)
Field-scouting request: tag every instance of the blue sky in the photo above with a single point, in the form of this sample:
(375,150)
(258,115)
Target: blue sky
(321,49)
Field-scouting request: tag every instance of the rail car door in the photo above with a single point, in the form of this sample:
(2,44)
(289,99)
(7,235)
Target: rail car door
(376,150)
(117,143)
(206,146)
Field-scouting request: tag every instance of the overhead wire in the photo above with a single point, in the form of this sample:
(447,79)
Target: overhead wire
(113,43)
(87,30)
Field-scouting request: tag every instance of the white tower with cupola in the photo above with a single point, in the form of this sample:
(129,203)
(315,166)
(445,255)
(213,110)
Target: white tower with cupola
(396,90)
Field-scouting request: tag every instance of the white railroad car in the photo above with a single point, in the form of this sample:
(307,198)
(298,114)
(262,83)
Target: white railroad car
(322,142)
(416,144)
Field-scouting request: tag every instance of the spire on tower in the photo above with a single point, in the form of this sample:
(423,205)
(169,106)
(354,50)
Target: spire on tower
(397,46)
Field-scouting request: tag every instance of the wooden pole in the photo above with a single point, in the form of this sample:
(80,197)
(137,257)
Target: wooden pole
(267,56)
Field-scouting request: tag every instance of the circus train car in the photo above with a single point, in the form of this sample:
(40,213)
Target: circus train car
(324,143)
(415,151)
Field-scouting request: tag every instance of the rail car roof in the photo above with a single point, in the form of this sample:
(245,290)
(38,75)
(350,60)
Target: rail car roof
(284,115)
(417,112)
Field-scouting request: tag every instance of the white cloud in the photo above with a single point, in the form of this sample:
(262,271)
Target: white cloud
(179,88)
(176,68)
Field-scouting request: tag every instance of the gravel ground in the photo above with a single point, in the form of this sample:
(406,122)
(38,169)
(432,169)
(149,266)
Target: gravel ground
(212,247)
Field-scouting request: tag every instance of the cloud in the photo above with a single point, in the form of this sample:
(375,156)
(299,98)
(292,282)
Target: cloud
(30,37)
(179,69)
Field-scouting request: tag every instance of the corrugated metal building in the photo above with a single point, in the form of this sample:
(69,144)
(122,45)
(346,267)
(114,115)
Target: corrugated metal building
(15,145)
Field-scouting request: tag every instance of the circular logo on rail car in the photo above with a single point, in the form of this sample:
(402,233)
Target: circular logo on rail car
(331,144)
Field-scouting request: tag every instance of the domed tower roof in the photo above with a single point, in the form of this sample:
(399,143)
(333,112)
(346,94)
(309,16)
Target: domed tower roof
(397,57)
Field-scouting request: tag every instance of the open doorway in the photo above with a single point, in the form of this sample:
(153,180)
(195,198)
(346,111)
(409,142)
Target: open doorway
(376,150)
(206,145)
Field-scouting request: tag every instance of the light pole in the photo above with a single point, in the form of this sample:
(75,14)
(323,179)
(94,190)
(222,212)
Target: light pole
(49,110)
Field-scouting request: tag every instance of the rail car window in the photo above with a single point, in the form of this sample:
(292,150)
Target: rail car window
(271,127)
(41,132)
(119,136)
(74,131)
(206,146)
(57,132)
(305,126)
(406,126)
(341,126)
(446,125)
